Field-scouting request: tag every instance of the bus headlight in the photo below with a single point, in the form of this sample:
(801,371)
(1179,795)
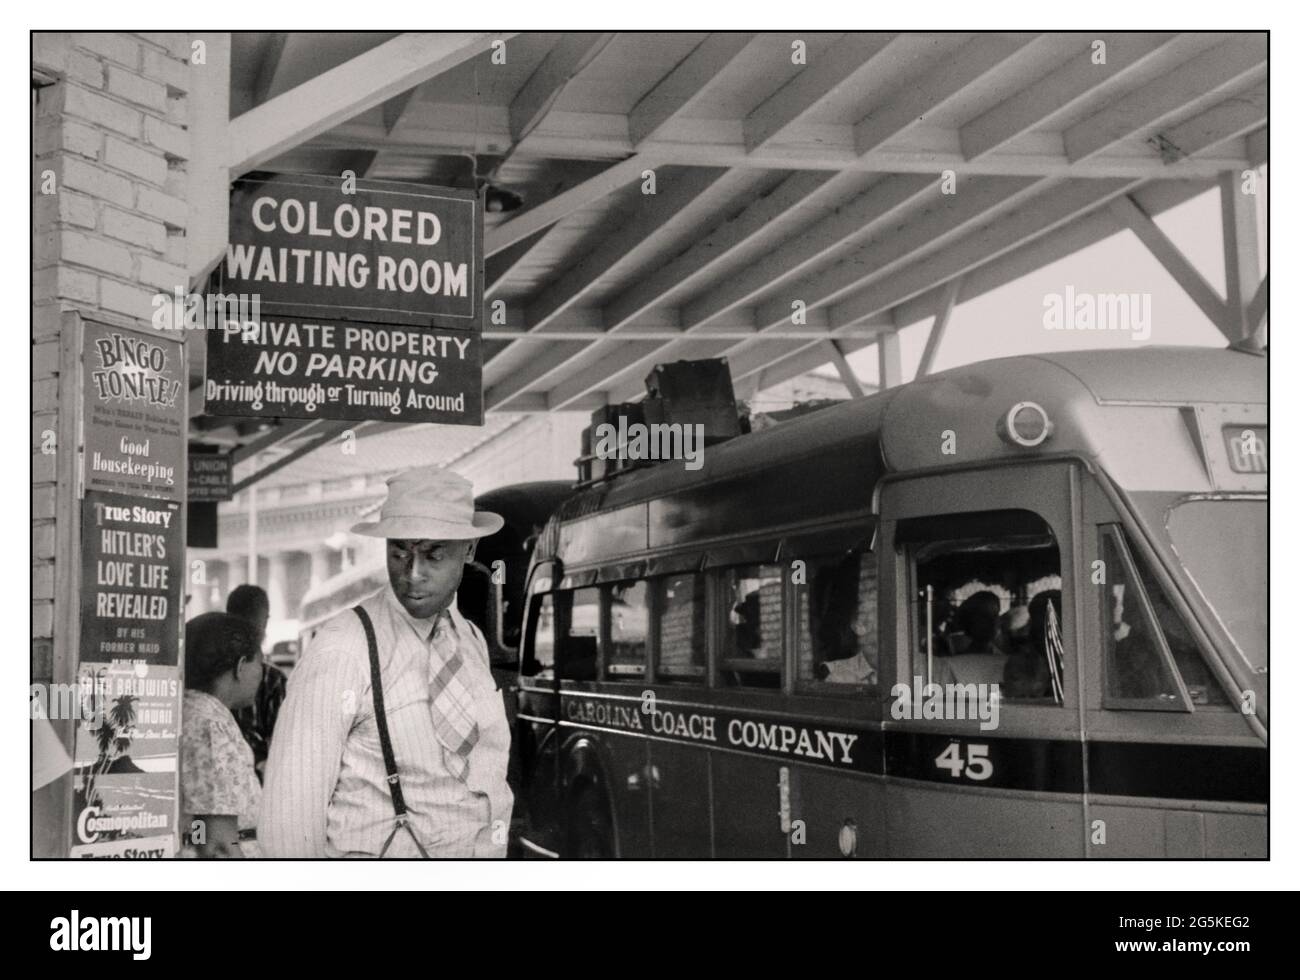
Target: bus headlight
(849,838)
(1026,424)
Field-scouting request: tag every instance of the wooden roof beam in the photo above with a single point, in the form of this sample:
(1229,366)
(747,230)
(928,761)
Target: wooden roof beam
(1059,205)
(675,193)
(683,86)
(1044,249)
(905,106)
(546,213)
(1194,85)
(728,299)
(946,219)
(339,94)
(1079,78)
(570,55)
(837,70)
(922,148)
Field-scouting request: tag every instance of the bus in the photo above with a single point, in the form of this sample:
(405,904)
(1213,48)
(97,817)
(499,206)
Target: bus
(770,656)
(491,593)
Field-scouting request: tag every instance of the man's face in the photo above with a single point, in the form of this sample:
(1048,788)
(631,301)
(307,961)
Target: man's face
(426,574)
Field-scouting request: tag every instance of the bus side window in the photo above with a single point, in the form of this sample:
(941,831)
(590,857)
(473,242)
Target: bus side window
(1141,631)
(838,642)
(679,614)
(539,655)
(578,636)
(628,610)
(752,649)
(1202,686)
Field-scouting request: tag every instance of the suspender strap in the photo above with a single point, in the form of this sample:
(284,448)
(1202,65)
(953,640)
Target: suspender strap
(381,719)
(386,743)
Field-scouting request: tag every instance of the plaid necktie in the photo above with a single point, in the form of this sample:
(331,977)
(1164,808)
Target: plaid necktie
(453,703)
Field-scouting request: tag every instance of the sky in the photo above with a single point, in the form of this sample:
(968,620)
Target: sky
(1009,320)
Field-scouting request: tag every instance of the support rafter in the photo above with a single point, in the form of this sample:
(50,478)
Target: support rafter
(1240,254)
(1209,75)
(1174,262)
(339,94)
(947,300)
(835,351)
(685,84)
(890,359)
(837,70)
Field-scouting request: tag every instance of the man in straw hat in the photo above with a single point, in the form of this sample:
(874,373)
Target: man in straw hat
(438,788)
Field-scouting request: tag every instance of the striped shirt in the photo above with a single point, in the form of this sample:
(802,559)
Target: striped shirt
(326,792)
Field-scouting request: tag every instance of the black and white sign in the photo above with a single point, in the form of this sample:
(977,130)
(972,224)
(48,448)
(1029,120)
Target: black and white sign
(131,593)
(345,371)
(345,249)
(210,477)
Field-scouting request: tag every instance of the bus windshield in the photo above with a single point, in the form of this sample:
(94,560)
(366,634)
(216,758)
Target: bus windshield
(1223,544)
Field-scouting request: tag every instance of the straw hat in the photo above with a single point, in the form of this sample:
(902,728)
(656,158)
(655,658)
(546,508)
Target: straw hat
(429,503)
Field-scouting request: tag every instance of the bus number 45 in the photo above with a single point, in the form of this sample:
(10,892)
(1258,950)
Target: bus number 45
(976,764)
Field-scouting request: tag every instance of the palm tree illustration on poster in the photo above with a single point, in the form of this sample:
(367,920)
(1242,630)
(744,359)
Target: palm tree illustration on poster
(125,752)
(113,731)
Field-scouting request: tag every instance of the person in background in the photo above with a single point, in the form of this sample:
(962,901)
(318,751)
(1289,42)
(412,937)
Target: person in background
(220,794)
(257,721)
(981,661)
(1028,673)
(946,636)
(1013,629)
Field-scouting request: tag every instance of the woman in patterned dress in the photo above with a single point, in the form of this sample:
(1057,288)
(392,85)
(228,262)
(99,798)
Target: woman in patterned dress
(220,792)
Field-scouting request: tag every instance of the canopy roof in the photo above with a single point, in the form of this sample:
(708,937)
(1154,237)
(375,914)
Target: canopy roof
(866,181)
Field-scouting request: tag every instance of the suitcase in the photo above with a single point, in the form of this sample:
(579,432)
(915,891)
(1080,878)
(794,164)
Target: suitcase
(694,393)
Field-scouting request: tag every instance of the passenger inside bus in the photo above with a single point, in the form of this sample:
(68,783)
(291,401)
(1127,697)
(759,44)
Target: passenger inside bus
(837,638)
(1002,586)
(1028,672)
(752,647)
(945,622)
(749,627)
(1138,670)
(1013,628)
(980,660)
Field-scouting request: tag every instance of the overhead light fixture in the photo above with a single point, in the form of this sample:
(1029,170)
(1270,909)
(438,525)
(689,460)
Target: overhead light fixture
(498,199)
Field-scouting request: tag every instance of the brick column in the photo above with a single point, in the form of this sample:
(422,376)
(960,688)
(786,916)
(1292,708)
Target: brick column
(109,221)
